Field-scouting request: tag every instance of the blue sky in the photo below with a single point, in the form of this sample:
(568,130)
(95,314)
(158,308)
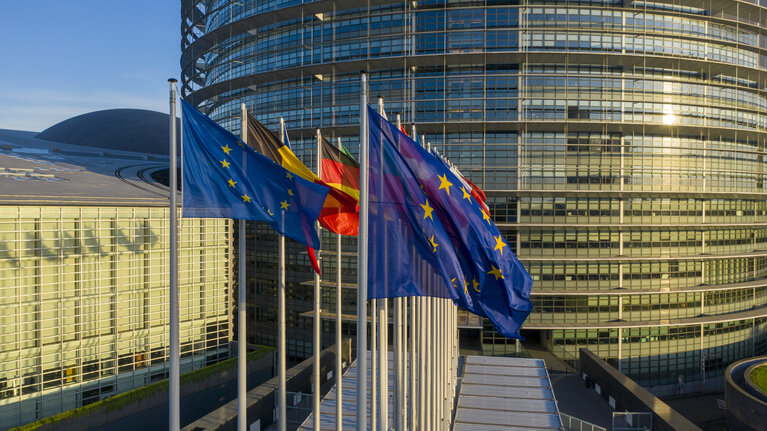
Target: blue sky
(63,58)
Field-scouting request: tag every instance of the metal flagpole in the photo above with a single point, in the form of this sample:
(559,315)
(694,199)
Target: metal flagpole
(362,264)
(316,342)
(383,362)
(282,423)
(425,364)
(339,364)
(373,364)
(413,364)
(399,393)
(383,357)
(174,417)
(242,408)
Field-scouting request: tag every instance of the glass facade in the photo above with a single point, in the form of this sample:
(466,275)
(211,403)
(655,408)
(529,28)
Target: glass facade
(83,303)
(621,144)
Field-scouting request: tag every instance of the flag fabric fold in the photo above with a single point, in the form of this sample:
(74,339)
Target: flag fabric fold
(340,213)
(224,178)
(429,236)
(340,170)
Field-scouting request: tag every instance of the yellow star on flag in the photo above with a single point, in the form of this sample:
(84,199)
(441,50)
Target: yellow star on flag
(444,183)
(466,286)
(284,205)
(290,192)
(268,211)
(232,182)
(496,272)
(427,210)
(466,195)
(226,149)
(245,198)
(287,174)
(499,244)
(224,163)
(486,216)
(433,244)
(474,284)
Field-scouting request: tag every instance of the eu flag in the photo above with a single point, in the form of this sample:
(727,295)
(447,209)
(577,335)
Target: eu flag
(417,196)
(224,178)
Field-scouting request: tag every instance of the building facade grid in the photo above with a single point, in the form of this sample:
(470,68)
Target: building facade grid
(83,303)
(621,145)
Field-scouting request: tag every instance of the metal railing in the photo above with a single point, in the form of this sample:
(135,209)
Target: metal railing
(571,423)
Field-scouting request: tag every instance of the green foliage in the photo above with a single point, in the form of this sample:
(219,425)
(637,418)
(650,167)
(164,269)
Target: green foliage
(119,401)
(759,378)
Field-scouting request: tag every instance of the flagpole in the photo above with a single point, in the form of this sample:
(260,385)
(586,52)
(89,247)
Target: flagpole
(282,419)
(242,408)
(414,392)
(339,363)
(411,364)
(399,393)
(383,339)
(422,377)
(316,341)
(373,364)
(174,417)
(362,264)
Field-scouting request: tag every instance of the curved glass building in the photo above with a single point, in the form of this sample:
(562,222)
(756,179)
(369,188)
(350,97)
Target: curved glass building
(621,144)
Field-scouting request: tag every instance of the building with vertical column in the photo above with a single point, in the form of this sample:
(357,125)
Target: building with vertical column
(621,144)
(84,267)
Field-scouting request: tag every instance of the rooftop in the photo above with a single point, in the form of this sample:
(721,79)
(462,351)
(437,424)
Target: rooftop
(37,171)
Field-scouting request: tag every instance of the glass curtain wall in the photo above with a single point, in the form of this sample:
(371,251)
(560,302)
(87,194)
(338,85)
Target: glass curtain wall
(621,145)
(83,303)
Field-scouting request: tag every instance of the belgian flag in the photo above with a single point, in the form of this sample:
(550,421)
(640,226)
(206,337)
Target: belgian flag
(340,214)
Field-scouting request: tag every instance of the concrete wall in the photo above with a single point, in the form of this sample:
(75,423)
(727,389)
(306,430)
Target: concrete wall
(629,395)
(745,410)
(261,400)
(118,419)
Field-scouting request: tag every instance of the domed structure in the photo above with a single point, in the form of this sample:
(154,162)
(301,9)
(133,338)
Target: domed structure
(138,130)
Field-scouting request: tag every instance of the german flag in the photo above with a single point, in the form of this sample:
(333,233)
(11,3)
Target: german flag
(340,170)
(340,213)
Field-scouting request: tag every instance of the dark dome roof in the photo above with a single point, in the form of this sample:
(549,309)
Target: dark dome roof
(136,130)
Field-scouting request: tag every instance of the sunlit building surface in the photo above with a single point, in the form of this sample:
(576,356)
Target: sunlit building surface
(84,276)
(621,144)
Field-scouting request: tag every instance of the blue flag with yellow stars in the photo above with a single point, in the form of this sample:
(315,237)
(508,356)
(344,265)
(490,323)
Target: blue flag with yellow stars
(429,237)
(223,178)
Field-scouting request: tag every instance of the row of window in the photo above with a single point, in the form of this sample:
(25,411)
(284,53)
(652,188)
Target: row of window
(649,275)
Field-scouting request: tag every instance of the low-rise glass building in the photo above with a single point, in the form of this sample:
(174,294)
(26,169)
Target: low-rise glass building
(84,236)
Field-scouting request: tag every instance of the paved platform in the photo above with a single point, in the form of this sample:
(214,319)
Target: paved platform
(506,394)
(348,400)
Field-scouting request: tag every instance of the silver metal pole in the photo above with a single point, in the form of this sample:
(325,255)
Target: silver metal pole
(339,363)
(362,265)
(174,417)
(316,341)
(282,423)
(374,364)
(412,405)
(339,340)
(383,368)
(399,369)
(242,351)
(383,357)
(430,341)
(422,363)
